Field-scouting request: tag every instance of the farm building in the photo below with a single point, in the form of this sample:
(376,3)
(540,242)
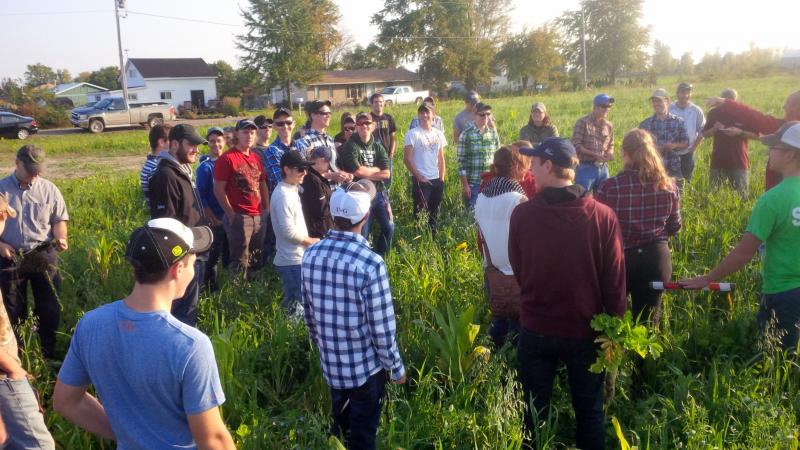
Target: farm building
(181,82)
(790,59)
(347,86)
(79,93)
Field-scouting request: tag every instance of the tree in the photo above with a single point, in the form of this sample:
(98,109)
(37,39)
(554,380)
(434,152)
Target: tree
(450,39)
(63,76)
(662,61)
(614,39)
(107,77)
(686,65)
(287,40)
(333,57)
(369,57)
(38,74)
(530,55)
(12,91)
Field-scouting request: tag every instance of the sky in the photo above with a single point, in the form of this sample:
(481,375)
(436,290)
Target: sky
(81,35)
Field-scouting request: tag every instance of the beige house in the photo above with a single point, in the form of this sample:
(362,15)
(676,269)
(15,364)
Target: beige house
(350,86)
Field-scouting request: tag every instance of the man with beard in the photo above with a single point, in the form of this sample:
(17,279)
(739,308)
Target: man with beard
(173,195)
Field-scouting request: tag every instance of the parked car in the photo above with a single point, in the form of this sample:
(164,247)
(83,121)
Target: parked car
(403,95)
(16,126)
(116,112)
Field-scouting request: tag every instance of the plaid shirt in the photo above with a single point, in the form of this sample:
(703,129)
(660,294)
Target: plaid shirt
(271,160)
(348,310)
(645,215)
(596,138)
(670,130)
(475,152)
(314,139)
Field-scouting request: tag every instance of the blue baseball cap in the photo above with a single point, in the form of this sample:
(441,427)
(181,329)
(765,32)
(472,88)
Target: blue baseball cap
(558,150)
(603,100)
(215,130)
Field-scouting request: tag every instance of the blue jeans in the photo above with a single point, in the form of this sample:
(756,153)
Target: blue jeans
(785,306)
(20,411)
(687,165)
(381,212)
(473,194)
(591,176)
(539,357)
(185,308)
(290,279)
(357,412)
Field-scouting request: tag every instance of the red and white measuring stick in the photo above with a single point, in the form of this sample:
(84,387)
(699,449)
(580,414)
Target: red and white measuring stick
(675,286)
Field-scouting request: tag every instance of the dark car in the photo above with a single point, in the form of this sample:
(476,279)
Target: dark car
(20,127)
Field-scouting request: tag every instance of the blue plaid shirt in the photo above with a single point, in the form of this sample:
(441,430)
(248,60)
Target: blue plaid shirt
(271,160)
(670,130)
(348,310)
(314,139)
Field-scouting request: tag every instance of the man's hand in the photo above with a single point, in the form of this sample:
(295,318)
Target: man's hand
(467,191)
(423,180)
(61,244)
(17,374)
(401,380)
(696,282)
(341,177)
(732,131)
(6,251)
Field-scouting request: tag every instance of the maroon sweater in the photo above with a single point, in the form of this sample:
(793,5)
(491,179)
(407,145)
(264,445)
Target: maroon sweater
(566,252)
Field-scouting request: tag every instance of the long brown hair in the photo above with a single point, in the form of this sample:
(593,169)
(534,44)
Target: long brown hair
(643,158)
(507,162)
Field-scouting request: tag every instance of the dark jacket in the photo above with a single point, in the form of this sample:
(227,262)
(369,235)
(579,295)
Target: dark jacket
(535,135)
(566,252)
(355,154)
(315,197)
(172,195)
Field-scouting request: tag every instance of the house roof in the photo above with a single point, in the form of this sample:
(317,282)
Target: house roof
(366,76)
(64,87)
(173,67)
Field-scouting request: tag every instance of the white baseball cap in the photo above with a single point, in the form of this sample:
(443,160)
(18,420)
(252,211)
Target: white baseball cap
(353,200)
(788,134)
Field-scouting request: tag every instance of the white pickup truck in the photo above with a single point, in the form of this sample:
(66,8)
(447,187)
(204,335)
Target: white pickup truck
(115,112)
(403,95)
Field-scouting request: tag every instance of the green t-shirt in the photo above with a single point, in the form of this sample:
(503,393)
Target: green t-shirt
(776,221)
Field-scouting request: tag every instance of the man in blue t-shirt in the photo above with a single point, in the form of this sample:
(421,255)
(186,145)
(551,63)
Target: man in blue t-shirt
(156,378)
(204,184)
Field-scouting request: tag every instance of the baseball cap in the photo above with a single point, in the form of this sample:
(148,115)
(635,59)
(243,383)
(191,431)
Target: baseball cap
(556,149)
(262,122)
(363,116)
(32,158)
(316,105)
(246,124)
(603,100)
(430,100)
(472,97)
(659,93)
(540,106)
(729,93)
(322,152)
(425,107)
(353,200)
(281,112)
(294,159)
(215,130)
(482,107)
(788,134)
(163,242)
(5,207)
(186,131)
(351,119)
(684,87)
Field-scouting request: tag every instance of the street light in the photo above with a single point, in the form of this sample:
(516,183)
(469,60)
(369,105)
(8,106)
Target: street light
(120,4)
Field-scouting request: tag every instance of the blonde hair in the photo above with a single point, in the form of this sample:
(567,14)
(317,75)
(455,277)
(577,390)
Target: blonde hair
(643,158)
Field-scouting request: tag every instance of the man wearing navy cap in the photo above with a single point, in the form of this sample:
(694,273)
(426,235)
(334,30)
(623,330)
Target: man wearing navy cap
(593,138)
(568,259)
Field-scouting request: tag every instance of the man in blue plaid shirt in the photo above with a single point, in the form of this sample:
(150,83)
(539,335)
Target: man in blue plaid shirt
(668,132)
(348,310)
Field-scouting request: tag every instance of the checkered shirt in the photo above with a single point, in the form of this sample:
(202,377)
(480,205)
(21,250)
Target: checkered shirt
(314,139)
(670,130)
(348,310)
(271,160)
(592,136)
(475,152)
(645,214)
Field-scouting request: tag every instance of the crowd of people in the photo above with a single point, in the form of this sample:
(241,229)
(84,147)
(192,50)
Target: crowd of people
(562,241)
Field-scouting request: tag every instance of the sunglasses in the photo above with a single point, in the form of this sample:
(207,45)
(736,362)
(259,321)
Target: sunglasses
(485,114)
(364,124)
(350,129)
(605,106)
(300,169)
(281,123)
(323,113)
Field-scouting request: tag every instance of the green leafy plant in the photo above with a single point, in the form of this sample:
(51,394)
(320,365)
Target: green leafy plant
(619,334)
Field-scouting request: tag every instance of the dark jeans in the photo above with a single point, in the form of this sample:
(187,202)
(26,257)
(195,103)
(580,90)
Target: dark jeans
(539,357)
(428,197)
(687,165)
(218,255)
(357,412)
(185,308)
(46,286)
(785,307)
(269,242)
(650,262)
(245,242)
(381,212)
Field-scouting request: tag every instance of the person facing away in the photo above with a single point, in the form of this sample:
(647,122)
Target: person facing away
(568,260)
(156,378)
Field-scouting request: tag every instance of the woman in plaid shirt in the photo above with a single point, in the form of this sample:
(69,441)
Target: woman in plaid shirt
(647,203)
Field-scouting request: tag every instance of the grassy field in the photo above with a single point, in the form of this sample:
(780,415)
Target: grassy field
(711,388)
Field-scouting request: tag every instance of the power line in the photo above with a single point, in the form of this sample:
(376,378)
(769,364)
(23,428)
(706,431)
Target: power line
(54,13)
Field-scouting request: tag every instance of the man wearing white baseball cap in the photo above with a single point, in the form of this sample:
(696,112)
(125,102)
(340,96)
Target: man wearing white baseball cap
(156,376)
(775,221)
(345,284)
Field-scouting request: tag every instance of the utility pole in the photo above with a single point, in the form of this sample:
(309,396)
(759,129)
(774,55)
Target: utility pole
(117,5)
(583,43)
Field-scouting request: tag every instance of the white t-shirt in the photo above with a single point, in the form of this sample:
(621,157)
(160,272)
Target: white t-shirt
(427,144)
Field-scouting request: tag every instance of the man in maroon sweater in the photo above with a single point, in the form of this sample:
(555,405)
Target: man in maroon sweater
(566,252)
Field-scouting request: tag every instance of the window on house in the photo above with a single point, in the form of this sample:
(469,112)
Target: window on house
(133,96)
(316,92)
(131,73)
(166,95)
(355,90)
(330,92)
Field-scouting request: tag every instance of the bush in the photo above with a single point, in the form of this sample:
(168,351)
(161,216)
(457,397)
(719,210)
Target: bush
(230,106)
(47,116)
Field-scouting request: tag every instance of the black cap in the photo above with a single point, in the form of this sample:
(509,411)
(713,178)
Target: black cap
(263,122)
(363,116)
(281,112)
(163,242)
(186,131)
(481,107)
(558,150)
(322,152)
(32,157)
(293,158)
(246,124)
(316,105)
(685,87)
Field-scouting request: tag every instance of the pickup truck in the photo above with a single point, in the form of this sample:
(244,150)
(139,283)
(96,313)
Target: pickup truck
(115,112)
(403,95)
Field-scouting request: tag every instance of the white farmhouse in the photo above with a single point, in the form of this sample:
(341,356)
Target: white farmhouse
(178,81)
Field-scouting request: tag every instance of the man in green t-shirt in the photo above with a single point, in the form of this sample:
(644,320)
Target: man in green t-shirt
(775,221)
